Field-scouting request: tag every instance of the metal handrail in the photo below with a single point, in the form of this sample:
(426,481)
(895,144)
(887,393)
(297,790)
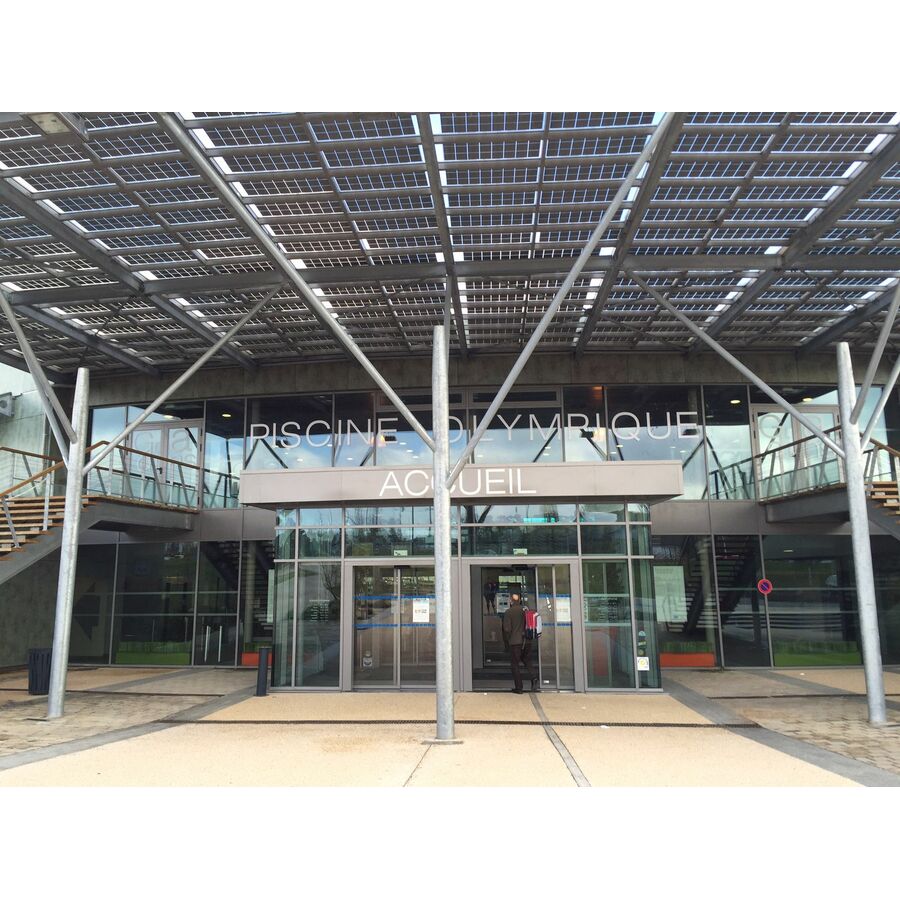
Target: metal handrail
(824,472)
(27,453)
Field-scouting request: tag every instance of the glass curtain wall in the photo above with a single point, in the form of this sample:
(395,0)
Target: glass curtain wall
(618,596)
(742,608)
(812,609)
(659,423)
(684,585)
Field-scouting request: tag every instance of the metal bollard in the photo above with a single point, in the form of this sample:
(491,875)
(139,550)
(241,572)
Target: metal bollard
(262,671)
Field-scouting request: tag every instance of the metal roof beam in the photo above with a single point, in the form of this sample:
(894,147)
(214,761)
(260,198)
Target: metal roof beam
(641,203)
(39,214)
(87,339)
(848,322)
(804,240)
(440,212)
(192,150)
(335,276)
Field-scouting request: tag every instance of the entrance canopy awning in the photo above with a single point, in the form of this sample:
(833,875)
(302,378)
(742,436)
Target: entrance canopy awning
(769,230)
(645,482)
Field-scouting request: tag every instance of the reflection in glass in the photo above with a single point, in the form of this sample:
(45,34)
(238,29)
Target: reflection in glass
(686,613)
(374,625)
(728,447)
(354,430)
(607,624)
(223,453)
(585,420)
(812,610)
(659,423)
(603,540)
(520,435)
(89,641)
(417,626)
(645,620)
(283,631)
(257,600)
(527,540)
(318,624)
(742,609)
(289,432)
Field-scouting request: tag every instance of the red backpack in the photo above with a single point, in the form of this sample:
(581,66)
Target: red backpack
(533,625)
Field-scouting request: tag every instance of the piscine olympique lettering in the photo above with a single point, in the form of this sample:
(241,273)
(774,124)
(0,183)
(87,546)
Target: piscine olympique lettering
(624,426)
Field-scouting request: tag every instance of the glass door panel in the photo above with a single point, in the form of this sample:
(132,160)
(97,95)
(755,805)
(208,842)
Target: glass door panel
(183,452)
(146,473)
(417,621)
(555,653)
(375,613)
(608,630)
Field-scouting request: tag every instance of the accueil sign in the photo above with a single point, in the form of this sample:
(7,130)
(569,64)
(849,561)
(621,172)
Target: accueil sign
(499,482)
(624,426)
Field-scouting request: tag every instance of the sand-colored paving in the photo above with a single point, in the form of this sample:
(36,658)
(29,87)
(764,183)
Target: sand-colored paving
(86,679)
(631,709)
(849,680)
(197,681)
(496,707)
(342,707)
(686,757)
(241,755)
(494,756)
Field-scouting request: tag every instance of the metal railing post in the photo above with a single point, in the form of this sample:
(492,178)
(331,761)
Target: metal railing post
(9,522)
(47,484)
(862,549)
(68,553)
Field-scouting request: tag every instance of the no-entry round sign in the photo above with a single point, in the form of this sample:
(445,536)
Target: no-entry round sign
(764,586)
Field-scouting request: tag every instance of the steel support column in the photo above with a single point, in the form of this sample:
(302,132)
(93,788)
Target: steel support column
(862,549)
(68,551)
(443,546)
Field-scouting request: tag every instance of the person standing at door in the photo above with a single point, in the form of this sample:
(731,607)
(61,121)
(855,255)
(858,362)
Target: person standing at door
(519,648)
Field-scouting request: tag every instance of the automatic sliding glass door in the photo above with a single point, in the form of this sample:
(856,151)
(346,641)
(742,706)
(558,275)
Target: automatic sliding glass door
(393,626)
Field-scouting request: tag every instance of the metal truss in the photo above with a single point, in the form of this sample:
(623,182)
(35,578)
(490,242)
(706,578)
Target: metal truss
(767,230)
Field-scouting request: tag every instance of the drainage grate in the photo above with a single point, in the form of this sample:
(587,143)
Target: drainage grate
(458,722)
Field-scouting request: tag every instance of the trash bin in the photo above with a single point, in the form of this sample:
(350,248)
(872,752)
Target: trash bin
(39,671)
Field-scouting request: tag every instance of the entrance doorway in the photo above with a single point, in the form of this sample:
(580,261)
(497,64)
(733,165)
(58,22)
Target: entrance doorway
(393,626)
(174,478)
(545,588)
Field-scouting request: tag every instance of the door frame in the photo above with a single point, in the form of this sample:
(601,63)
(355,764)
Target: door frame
(464,580)
(347,618)
(755,445)
(168,425)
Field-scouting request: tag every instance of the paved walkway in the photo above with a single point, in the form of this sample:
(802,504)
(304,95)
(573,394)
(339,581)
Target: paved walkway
(127,727)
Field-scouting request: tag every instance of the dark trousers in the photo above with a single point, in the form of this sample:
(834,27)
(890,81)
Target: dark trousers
(519,656)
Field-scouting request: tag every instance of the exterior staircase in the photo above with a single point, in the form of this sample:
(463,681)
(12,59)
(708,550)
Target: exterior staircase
(29,519)
(130,489)
(884,505)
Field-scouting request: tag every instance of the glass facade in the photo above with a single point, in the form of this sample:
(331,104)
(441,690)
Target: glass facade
(708,428)
(676,600)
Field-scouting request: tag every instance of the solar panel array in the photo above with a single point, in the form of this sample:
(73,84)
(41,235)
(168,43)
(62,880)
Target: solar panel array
(771,230)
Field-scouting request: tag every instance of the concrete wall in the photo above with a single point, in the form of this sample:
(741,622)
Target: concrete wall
(27,607)
(544,368)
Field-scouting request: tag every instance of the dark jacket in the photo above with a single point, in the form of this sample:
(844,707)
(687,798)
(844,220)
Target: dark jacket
(514,624)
